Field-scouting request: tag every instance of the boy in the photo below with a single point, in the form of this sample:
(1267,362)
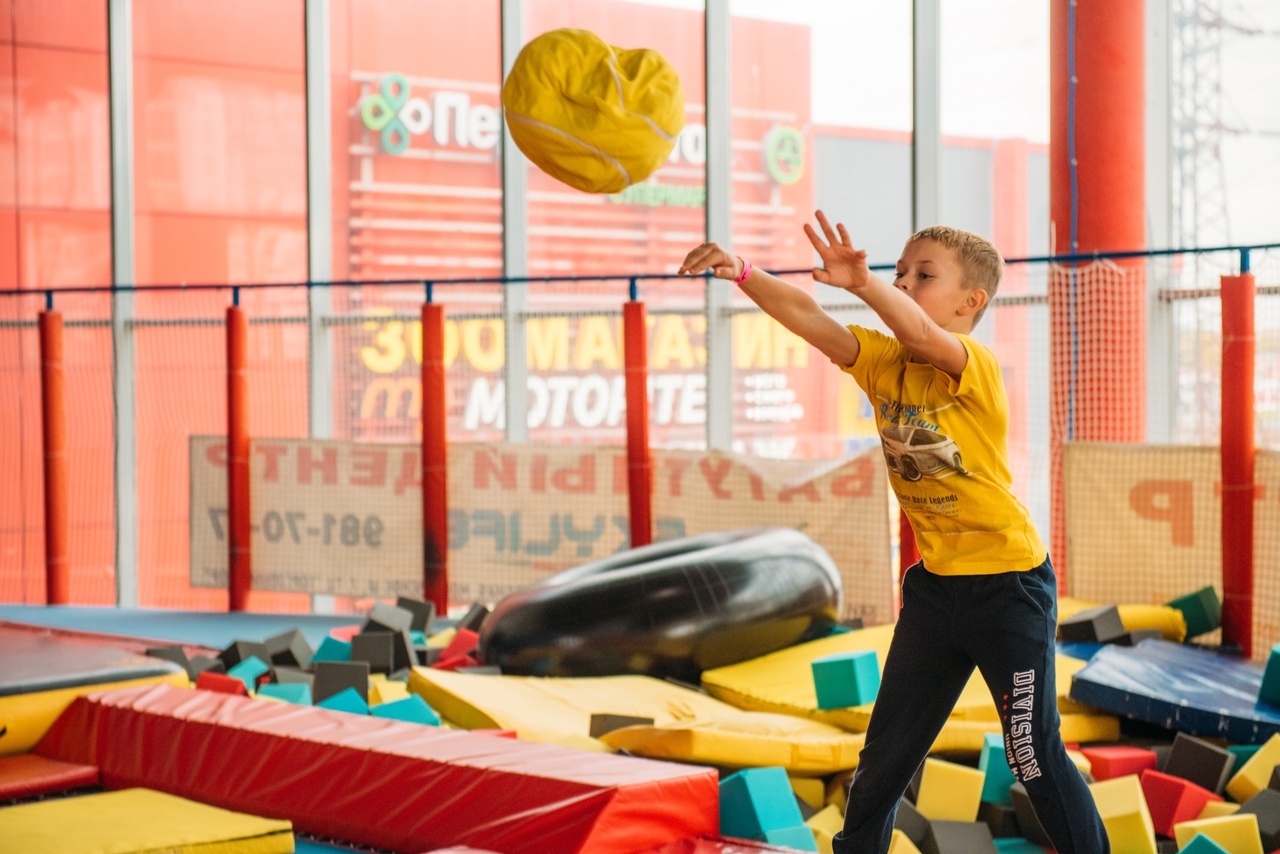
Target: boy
(984,592)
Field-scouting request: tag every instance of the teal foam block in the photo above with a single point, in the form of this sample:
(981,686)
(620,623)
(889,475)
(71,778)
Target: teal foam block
(1018,845)
(346,700)
(248,671)
(992,762)
(846,679)
(1202,610)
(332,649)
(1270,690)
(1201,844)
(298,693)
(799,837)
(413,709)
(755,800)
(1242,753)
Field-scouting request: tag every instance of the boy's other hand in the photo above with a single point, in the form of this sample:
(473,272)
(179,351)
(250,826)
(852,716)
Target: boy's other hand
(842,265)
(711,257)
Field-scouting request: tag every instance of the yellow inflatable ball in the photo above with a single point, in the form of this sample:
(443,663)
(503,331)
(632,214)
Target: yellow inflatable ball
(597,117)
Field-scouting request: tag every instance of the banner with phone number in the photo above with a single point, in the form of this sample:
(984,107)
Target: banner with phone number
(345,518)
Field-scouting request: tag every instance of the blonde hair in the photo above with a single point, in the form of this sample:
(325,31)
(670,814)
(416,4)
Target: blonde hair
(980,263)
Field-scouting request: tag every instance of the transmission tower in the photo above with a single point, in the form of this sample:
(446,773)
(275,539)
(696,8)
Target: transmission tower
(1198,125)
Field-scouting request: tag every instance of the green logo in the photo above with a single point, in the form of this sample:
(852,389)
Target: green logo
(784,155)
(381,112)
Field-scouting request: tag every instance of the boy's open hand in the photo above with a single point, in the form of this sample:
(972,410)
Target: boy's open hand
(842,265)
(711,257)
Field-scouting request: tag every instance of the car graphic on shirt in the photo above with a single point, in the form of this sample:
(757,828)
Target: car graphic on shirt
(914,452)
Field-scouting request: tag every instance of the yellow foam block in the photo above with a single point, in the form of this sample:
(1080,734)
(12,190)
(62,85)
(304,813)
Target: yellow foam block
(1236,833)
(811,790)
(782,682)
(949,792)
(825,824)
(688,725)
(1124,812)
(1082,763)
(387,691)
(133,821)
(1255,774)
(442,638)
(1171,623)
(900,844)
(29,716)
(1217,809)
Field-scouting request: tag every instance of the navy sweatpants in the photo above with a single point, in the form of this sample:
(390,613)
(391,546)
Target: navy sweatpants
(1005,626)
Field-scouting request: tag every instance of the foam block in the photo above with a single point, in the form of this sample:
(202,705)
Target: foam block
(908,820)
(1172,800)
(958,837)
(1241,753)
(205,664)
(347,700)
(1266,806)
(177,655)
(799,837)
(1001,818)
(374,648)
(1217,809)
(222,683)
(412,709)
(900,844)
(1092,625)
(1017,845)
(1028,821)
(950,792)
(239,650)
(1201,844)
(825,824)
(298,693)
(1236,833)
(474,618)
(1255,774)
(1203,763)
(387,618)
(387,691)
(248,671)
(810,790)
(333,677)
(846,679)
(1202,609)
(1270,690)
(1124,813)
(332,649)
(462,643)
(423,613)
(999,777)
(755,800)
(290,649)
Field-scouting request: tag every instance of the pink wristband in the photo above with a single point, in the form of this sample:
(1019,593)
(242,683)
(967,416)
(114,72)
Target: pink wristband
(746,271)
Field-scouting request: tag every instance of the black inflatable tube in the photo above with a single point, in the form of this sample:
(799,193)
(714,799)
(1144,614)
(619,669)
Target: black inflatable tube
(669,610)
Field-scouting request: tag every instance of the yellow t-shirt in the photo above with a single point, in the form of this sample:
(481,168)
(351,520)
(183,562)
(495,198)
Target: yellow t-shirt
(946,445)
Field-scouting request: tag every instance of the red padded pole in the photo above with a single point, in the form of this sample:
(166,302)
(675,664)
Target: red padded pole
(435,461)
(53,400)
(1237,460)
(240,568)
(639,459)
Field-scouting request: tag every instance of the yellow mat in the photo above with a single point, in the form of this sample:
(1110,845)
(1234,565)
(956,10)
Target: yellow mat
(137,821)
(29,716)
(688,725)
(782,682)
(1171,622)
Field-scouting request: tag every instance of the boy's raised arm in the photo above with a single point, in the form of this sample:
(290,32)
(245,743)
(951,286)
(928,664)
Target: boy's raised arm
(793,308)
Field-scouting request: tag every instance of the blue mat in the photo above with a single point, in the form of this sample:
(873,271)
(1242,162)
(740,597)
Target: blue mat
(1180,688)
(216,630)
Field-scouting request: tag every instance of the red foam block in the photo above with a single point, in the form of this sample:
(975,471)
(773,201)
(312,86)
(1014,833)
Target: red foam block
(1117,760)
(222,683)
(380,782)
(463,643)
(1171,800)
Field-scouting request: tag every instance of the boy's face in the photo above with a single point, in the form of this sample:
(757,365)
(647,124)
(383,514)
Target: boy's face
(931,275)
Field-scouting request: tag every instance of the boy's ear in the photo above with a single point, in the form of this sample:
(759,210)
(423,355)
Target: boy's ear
(974,300)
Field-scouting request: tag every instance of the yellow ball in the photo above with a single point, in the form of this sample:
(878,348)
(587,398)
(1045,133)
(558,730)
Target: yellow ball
(597,117)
